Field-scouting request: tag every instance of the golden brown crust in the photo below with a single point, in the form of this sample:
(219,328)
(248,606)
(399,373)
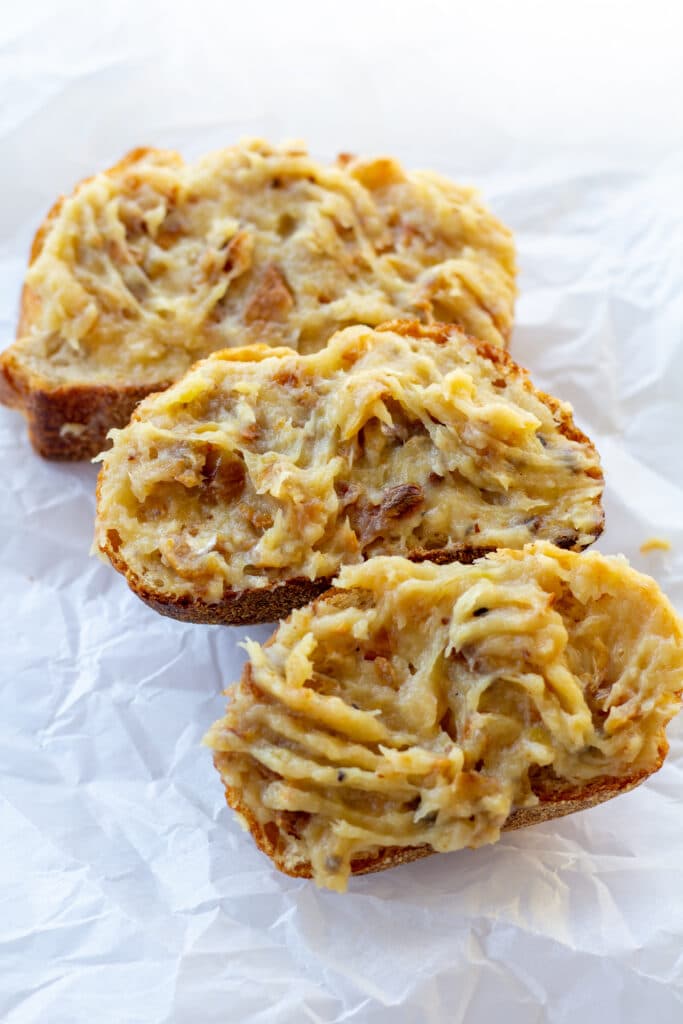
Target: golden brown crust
(556,799)
(269,604)
(71,421)
(68,421)
(243,608)
(266,604)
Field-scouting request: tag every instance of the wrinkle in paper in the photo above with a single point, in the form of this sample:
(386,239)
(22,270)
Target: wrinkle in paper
(129,891)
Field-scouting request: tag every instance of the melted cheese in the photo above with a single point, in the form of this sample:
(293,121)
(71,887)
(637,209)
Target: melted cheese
(261,465)
(156,263)
(411,709)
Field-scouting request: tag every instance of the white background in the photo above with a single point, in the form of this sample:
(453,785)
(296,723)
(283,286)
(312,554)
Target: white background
(127,891)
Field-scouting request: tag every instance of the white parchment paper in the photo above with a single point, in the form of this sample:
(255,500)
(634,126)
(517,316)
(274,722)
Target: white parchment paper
(127,891)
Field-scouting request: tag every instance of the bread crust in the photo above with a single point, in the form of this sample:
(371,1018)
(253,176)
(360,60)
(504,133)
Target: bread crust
(267,604)
(71,421)
(68,421)
(277,600)
(556,799)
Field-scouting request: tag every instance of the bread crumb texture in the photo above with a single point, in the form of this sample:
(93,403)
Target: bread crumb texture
(418,706)
(261,465)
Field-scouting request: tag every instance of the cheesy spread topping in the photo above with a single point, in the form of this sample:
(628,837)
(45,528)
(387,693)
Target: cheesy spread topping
(262,465)
(156,263)
(414,707)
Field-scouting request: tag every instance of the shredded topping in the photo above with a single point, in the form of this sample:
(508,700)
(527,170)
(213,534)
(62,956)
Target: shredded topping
(156,263)
(655,544)
(259,465)
(414,707)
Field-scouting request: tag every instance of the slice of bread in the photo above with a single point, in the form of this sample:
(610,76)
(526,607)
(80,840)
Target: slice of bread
(419,709)
(237,494)
(155,263)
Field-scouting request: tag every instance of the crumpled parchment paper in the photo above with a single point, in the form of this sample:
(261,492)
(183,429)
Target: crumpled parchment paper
(128,891)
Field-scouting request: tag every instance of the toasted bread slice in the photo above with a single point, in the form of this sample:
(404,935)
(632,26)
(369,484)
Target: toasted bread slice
(155,263)
(420,708)
(238,493)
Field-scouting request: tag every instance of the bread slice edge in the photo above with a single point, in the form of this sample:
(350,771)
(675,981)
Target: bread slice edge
(66,421)
(556,800)
(278,599)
